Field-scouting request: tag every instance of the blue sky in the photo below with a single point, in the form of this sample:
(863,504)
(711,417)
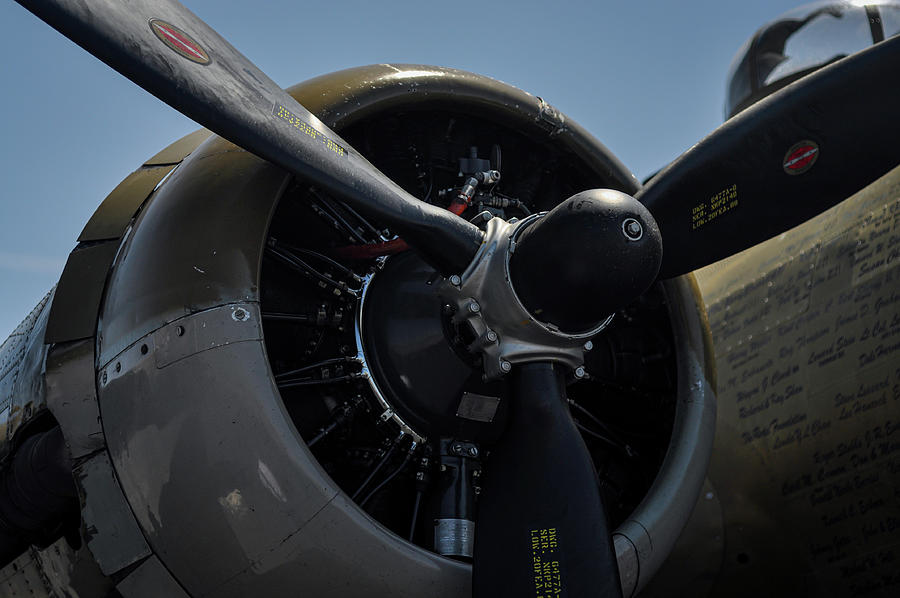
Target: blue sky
(646,78)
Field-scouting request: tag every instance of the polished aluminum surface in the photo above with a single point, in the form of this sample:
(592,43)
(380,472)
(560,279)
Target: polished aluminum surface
(454,537)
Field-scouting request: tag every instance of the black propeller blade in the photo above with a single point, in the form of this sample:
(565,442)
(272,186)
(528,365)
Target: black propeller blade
(542,528)
(170,52)
(789,157)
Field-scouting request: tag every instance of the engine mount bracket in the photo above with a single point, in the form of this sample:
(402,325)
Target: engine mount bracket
(505,332)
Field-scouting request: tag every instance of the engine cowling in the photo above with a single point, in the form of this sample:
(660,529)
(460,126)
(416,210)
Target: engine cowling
(244,395)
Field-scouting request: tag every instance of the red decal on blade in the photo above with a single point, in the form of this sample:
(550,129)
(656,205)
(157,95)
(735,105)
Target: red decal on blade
(179,41)
(800,157)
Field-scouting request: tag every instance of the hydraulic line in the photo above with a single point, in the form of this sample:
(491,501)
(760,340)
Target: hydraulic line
(387,456)
(391,476)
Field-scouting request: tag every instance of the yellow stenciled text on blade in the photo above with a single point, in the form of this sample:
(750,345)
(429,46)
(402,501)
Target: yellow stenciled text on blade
(706,211)
(304,127)
(546,570)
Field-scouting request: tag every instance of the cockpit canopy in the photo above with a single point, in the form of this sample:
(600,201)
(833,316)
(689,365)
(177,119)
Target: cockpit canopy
(803,40)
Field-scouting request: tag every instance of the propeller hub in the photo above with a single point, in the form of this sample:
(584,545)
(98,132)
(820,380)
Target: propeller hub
(505,332)
(591,255)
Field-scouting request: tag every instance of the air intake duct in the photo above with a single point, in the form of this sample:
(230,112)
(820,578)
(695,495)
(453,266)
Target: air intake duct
(37,492)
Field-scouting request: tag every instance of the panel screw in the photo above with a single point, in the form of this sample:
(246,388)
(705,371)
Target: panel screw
(579,372)
(491,336)
(455,280)
(588,346)
(473,452)
(474,307)
(505,366)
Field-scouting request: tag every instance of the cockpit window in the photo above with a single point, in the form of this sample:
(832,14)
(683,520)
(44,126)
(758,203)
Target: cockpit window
(827,33)
(890,19)
(803,40)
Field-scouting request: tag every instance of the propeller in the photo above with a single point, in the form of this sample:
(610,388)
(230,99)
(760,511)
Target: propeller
(773,166)
(542,529)
(780,162)
(788,158)
(170,52)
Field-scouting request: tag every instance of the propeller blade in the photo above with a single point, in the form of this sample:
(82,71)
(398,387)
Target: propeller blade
(793,155)
(542,528)
(170,52)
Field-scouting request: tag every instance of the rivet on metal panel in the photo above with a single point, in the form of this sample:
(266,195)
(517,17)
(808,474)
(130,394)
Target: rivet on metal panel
(205,330)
